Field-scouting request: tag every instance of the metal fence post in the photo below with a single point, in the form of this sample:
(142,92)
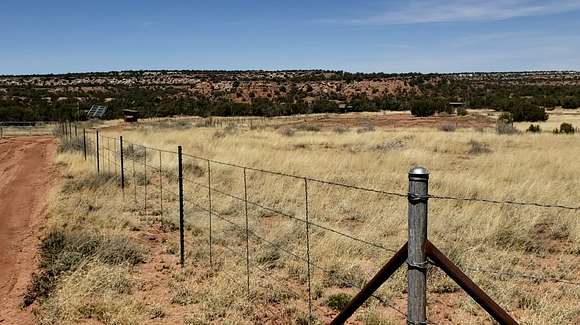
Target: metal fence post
(85,143)
(115,156)
(145,180)
(160,183)
(247,233)
(308,250)
(181,230)
(122,166)
(209,212)
(134,175)
(417,259)
(108,154)
(98,155)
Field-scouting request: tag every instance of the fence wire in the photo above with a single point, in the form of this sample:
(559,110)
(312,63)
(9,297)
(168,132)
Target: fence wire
(103,153)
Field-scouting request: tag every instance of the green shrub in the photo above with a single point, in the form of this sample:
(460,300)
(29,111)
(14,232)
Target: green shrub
(428,107)
(338,301)
(565,128)
(534,128)
(305,319)
(422,108)
(506,117)
(571,102)
(461,111)
(525,111)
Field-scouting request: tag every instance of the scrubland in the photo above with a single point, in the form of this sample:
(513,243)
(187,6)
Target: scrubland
(112,256)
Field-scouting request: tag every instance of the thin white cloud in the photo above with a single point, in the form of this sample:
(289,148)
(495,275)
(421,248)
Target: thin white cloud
(433,11)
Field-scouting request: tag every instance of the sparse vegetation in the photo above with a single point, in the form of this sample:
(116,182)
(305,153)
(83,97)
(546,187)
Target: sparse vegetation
(534,128)
(478,235)
(366,128)
(447,127)
(461,111)
(565,128)
(71,145)
(338,301)
(505,124)
(63,252)
(476,148)
(286,131)
(340,129)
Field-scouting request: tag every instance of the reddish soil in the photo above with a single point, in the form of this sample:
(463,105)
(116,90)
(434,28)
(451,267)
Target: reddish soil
(26,175)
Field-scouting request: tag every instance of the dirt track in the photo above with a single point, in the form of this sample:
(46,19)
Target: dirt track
(26,174)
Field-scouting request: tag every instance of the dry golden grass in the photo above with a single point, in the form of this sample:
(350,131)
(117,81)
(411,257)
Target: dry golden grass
(531,240)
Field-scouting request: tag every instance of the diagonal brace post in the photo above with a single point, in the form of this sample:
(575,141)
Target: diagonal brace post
(383,275)
(498,313)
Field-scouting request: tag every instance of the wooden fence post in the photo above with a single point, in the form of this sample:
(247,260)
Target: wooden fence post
(417,259)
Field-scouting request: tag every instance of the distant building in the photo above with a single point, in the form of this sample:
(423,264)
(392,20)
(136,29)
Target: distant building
(131,115)
(457,104)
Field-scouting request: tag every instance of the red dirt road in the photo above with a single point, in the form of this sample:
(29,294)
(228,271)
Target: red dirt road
(26,175)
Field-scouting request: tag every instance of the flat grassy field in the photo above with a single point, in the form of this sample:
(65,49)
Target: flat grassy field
(139,280)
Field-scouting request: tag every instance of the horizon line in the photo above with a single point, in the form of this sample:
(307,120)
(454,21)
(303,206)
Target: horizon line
(282,70)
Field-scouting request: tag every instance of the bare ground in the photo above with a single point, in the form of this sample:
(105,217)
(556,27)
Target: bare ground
(26,175)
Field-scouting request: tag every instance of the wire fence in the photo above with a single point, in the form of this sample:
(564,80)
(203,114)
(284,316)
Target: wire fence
(12,129)
(181,185)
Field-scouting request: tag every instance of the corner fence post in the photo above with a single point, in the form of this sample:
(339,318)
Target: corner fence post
(85,143)
(181,230)
(417,258)
(98,155)
(122,166)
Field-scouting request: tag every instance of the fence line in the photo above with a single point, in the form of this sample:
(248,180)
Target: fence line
(212,212)
(366,189)
(509,202)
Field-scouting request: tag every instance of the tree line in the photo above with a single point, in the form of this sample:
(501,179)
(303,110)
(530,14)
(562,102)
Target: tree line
(431,95)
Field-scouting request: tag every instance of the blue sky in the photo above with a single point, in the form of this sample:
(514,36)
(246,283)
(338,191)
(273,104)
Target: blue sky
(367,35)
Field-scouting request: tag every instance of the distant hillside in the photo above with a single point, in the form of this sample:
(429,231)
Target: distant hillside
(162,93)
